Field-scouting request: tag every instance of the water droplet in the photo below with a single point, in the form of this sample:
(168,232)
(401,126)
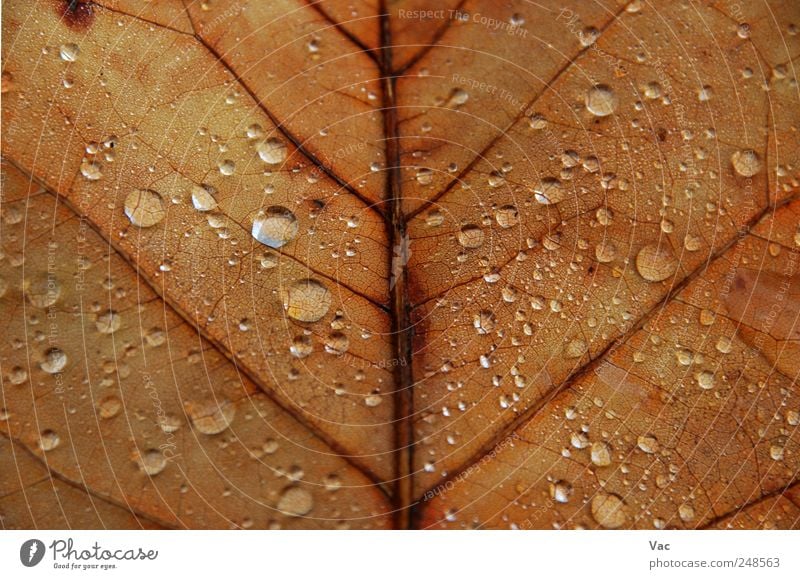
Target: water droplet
(507,216)
(108,322)
(203,198)
(686,512)
(656,262)
(601,100)
(373,399)
(424,176)
(152,462)
(276,227)
(227,167)
(69,52)
(705,379)
(576,348)
(332,482)
(301,347)
(109,406)
(295,502)
(549,191)
(484,321)
(212,416)
(746,162)
(608,510)
(601,454)
(306,300)
(648,443)
(470,236)
(144,207)
(606,251)
(337,343)
(49,440)
(18,375)
(91,170)
(435,218)
(42,291)
(54,361)
(272,151)
(560,491)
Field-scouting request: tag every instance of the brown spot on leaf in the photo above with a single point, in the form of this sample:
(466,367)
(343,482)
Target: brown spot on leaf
(77,14)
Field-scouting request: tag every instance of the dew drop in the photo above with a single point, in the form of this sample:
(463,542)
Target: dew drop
(306,300)
(656,262)
(337,343)
(549,191)
(69,52)
(484,321)
(601,100)
(295,502)
(203,198)
(109,407)
(54,361)
(91,170)
(608,510)
(42,291)
(276,227)
(272,151)
(152,462)
(301,347)
(108,322)
(601,454)
(648,443)
(144,207)
(49,440)
(705,379)
(211,417)
(746,162)
(470,236)
(424,176)
(560,491)
(507,216)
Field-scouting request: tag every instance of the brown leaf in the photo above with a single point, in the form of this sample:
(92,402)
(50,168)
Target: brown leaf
(367,264)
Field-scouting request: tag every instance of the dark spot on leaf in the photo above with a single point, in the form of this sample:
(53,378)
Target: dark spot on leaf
(661,133)
(76,14)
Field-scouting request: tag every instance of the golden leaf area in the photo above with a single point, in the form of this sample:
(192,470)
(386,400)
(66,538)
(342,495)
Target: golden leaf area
(400,264)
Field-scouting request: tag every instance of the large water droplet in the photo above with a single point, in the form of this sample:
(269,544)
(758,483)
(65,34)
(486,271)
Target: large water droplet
(746,162)
(601,454)
(549,191)
(272,151)
(601,100)
(295,502)
(656,262)
(42,291)
(276,227)
(608,510)
(306,300)
(211,417)
(470,236)
(203,198)
(144,207)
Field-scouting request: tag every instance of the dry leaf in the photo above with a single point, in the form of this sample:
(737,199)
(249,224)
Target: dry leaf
(482,264)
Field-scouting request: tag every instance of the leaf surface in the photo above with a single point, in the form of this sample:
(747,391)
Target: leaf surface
(370,264)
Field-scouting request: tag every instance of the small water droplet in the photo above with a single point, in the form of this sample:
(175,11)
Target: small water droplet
(211,417)
(152,462)
(608,510)
(49,440)
(108,322)
(109,406)
(54,361)
(507,216)
(601,454)
(560,491)
(648,443)
(549,191)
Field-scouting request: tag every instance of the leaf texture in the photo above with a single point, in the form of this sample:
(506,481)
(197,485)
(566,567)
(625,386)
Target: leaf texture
(386,264)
